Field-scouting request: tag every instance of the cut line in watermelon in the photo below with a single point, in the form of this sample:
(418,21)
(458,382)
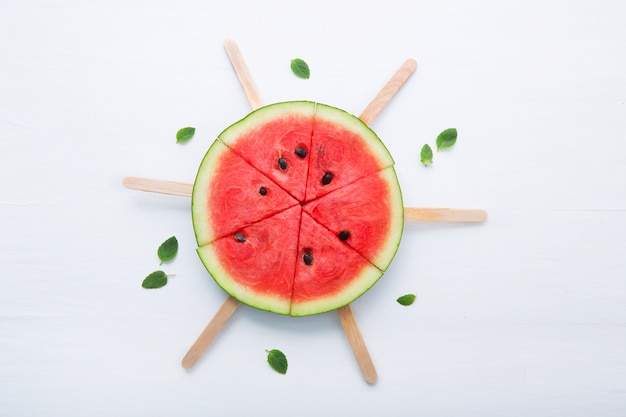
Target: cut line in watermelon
(297,208)
(252,267)
(371,231)
(231,200)
(359,152)
(334,274)
(291,126)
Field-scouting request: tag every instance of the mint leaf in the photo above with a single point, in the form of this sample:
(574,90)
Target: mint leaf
(277,360)
(300,68)
(157,279)
(446,139)
(426,155)
(168,249)
(185,134)
(406,300)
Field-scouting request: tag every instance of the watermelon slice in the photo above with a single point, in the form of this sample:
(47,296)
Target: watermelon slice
(344,150)
(221,205)
(297,208)
(269,137)
(252,267)
(328,272)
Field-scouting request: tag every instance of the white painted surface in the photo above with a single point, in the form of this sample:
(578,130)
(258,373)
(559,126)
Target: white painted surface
(524,315)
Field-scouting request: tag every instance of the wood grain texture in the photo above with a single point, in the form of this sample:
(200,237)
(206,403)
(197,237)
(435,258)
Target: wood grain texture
(243,73)
(362,355)
(388,91)
(158,186)
(210,331)
(423,214)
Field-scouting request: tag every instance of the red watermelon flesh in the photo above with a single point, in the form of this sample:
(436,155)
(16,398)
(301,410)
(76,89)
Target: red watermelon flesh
(256,264)
(290,255)
(341,152)
(239,193)
(360,218)
(270,143)
(327,271)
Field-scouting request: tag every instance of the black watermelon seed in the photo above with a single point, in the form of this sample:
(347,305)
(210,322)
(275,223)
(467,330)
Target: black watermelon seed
(263,191)
(282,163)
(240,237)
(344,235)
(327,178)
(307,257)
(301,152)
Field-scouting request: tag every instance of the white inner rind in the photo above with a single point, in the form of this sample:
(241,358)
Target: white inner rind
(202,192)
(240,292)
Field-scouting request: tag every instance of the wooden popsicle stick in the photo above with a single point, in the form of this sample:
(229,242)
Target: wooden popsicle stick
(230,305)
(388,91)
(411,214)
(241,69)
(210,331)
(449,215)
(358,345)
(158,186)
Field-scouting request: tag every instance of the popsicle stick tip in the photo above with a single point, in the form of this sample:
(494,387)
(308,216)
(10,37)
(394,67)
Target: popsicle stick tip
(131,182)
(187,364)
(411,64)
(351,329)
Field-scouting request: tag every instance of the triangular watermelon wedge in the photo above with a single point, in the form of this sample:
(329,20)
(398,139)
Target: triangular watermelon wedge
(221,205)
(329,274)
(256,264)
(367,215)
(276,140)
(343,150)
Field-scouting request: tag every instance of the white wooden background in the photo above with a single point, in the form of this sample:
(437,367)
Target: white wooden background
(524,315)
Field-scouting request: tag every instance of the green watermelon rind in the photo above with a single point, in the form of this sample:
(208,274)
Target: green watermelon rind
(370,276)
(268,112)
(201,193)
(228,137)
(308,108)
(239,292)
(387,249)
(203,222)
(300,112)
(353,123)
(396,229)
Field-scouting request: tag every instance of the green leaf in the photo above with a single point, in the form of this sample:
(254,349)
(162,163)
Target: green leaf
(446,139)
(426,155)
(168,249)
(185,134)
(157,279)
(406,300)
(277,360)
(300,68)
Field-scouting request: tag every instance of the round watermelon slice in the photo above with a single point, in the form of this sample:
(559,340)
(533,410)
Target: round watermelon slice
(297,208)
